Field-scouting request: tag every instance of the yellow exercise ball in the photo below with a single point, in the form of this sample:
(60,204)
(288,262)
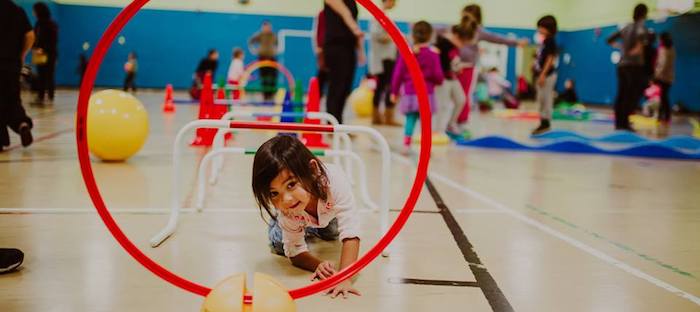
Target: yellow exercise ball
(361,101)
(117,125)
(232,295)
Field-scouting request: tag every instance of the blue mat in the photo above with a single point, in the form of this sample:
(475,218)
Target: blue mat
(623,137)
(643,149)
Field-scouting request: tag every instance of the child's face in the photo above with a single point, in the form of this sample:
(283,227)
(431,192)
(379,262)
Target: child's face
(543,32)
(288,195)
(568,84)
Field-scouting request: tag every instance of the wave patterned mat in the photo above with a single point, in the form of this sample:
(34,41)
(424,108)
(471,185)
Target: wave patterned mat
(623,137)
(644,149)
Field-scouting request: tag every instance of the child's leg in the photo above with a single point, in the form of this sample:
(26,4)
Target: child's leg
(275,234)
(547,99)
(444,107)
(467,80)
(459,98)
(410,127)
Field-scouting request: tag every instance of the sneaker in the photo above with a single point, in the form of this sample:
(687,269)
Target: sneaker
(10,259)
(543,127)
(26,134)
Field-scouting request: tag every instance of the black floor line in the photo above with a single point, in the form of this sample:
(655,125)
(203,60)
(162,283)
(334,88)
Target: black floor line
(484,280)
(416,281)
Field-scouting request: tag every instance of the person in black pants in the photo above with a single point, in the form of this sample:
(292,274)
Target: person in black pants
(130,68)
(17,37)
(46,44)
(632,73)
(342,49)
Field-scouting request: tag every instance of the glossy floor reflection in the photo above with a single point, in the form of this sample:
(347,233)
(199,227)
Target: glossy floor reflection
(548,232)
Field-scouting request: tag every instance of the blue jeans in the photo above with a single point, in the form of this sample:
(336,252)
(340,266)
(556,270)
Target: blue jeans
(329,233)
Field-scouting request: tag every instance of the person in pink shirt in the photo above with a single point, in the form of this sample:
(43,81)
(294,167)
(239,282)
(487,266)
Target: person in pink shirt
(402,86)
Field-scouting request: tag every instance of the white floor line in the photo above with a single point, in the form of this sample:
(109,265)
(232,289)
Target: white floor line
(561,236)
(478,211)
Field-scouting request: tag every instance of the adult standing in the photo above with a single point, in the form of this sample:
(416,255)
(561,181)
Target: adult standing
(45,51)
(319,30)
(631,77)
(17,38)
(664,74)
(342,49)
(264,44)
(382,58)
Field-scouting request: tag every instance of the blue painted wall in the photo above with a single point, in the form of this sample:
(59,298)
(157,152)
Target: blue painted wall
(595,74)
(171,43)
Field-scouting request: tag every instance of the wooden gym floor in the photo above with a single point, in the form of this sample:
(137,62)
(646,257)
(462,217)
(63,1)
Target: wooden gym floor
(493,231)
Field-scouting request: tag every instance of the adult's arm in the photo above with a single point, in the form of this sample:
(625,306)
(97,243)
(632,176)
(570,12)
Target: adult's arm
(28,43)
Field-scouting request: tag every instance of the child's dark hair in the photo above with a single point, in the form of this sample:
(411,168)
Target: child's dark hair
(237,52)
(666,39)
(549,23)
(422,32)
(285,152)
(467,27)
(43,14)
(640,12)
(474,10)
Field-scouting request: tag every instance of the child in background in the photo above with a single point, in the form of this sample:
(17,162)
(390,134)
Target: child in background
(653,95)
(469,54)
(130,67)
(569,95)
(545,72)
(450,95)
(208,64)
(429,60)
(664,73)
(236,70)
(496,83)
(309,198)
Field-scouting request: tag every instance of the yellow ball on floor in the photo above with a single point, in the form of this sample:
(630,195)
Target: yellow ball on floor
(117,125)
(267,295)
(361,101)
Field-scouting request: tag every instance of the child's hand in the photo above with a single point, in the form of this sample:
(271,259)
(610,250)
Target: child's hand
(345,288)
(323,271)
(540,81)
(393,98)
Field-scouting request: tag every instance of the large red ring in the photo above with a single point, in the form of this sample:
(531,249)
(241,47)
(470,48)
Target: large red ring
(86,168)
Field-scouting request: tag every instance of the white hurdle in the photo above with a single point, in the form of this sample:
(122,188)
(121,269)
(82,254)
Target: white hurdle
(213,155)
(340,142)
(171,226)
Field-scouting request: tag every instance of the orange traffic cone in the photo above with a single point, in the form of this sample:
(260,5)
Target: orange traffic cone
(313,139)
(205,137)
(168,106)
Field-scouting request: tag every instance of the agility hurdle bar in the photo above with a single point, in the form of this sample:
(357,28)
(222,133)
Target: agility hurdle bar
(170,227)
(219,138)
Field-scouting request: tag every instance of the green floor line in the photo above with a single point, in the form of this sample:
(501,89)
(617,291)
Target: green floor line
(614,243)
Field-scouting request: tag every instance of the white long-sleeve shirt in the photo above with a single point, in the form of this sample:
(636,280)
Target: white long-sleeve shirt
(340,205)
(235,70)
